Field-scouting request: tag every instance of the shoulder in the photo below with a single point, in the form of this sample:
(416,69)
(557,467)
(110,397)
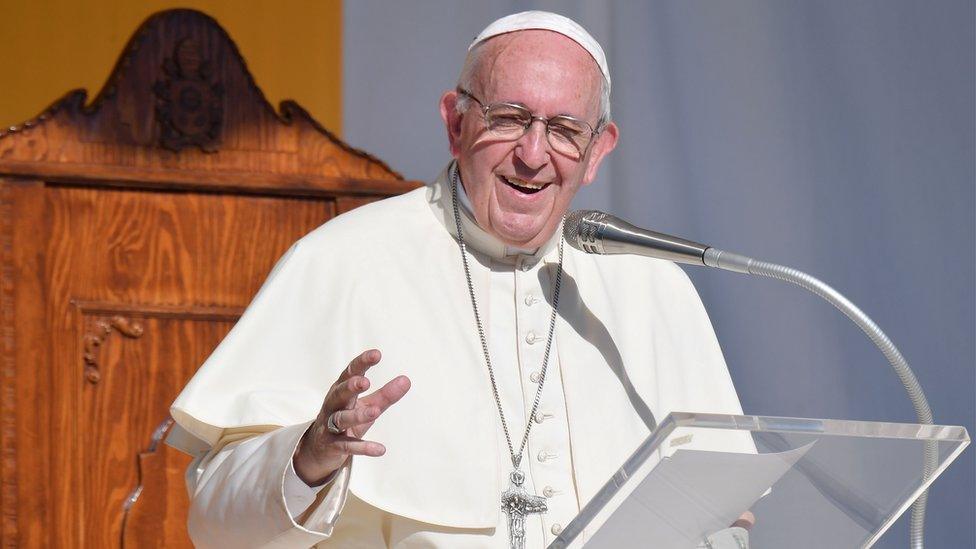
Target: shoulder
(373,228)
(625,268)
(626,280)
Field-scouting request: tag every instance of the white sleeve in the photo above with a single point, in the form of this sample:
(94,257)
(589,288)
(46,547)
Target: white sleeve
(239,499)
(298,495)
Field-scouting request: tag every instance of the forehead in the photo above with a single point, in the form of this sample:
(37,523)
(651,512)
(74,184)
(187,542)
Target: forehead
(544,70)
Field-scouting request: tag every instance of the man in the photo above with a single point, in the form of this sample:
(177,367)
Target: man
(517,373)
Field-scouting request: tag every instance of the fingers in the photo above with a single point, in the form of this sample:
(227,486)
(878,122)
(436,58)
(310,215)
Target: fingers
(351,382)
(345,392)
(356,447)
(349,419)
(359,365)
(388,394)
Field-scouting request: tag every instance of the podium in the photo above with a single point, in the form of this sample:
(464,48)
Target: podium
(810,483)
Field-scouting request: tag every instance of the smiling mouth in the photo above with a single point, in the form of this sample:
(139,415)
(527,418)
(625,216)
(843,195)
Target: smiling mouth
(524,187)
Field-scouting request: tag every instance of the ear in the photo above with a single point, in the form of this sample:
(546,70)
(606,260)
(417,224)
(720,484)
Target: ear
(605,142)
(452,120)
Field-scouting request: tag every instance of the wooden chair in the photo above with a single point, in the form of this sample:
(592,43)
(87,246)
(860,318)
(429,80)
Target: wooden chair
(133,232)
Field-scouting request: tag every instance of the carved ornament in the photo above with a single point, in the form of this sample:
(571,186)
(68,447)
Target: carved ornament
(189,102)
(102,328)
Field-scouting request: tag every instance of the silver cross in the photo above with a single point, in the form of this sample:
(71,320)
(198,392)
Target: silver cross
(517,503)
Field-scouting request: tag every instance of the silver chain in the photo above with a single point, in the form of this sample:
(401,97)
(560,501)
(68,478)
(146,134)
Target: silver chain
(516,457)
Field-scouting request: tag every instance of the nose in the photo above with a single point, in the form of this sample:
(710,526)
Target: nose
(533,147)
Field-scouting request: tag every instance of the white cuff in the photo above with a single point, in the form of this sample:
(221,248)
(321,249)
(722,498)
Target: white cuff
(298,495)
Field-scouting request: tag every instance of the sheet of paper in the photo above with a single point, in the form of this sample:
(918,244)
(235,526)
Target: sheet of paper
(689,495)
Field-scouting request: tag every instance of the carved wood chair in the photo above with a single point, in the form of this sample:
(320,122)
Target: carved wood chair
(133,232)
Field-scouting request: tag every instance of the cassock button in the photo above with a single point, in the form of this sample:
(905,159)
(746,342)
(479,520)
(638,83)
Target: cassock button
(548,491)
(531,338)
(530,300)
(541,416)
(556,529)
(534,377)
(527,264)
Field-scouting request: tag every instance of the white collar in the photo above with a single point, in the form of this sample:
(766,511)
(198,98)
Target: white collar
(439,198)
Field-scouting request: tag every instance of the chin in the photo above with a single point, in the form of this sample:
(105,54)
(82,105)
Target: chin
(523,239)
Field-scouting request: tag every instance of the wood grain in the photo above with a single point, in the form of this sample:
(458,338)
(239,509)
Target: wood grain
(120,136)
(133,233)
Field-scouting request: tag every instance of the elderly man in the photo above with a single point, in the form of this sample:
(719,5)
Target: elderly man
(517,373)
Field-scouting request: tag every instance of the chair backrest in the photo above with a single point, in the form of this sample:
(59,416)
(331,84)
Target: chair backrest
(133,232)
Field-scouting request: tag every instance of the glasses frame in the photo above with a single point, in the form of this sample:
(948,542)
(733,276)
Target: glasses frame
(532,118)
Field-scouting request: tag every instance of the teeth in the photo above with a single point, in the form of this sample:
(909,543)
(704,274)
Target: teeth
(525,184)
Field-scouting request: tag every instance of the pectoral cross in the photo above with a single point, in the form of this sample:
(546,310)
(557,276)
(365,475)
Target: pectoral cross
(517,503)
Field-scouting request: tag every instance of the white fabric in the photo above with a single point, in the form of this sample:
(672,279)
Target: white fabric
(238,495)
(544,20)
(298,495)
(632,338)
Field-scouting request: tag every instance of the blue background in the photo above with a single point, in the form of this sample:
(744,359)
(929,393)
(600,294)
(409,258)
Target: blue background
(833,136)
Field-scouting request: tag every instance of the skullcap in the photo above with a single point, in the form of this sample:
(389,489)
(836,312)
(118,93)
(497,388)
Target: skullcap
(544,20)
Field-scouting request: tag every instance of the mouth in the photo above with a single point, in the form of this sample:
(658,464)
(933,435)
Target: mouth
(522,186)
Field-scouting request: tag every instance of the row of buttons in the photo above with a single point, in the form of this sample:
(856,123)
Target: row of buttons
(526,264)
(531,338)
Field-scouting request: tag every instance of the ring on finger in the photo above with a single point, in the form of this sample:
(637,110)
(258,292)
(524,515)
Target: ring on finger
(331,425)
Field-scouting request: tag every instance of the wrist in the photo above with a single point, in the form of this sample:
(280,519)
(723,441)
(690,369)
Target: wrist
(312,469)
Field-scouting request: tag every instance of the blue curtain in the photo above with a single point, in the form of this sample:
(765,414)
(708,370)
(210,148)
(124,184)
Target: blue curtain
(834,136)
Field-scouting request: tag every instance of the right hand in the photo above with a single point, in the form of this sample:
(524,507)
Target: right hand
(320,453)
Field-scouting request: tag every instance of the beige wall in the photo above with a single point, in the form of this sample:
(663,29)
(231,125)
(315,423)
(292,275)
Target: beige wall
(292,47)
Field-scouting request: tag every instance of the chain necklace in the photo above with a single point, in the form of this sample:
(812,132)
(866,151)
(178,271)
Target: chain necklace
(516,501)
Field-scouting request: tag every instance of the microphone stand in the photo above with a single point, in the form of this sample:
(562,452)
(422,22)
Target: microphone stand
(600,233)
(720,259)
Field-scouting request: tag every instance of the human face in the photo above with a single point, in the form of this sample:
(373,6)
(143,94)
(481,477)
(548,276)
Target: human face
(520,190)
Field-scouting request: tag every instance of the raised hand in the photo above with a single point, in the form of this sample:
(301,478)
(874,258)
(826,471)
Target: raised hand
(323,450)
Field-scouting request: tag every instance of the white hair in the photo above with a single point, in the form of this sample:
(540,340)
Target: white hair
(467,76)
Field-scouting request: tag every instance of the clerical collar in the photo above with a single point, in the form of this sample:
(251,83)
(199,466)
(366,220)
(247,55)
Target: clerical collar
(439,197)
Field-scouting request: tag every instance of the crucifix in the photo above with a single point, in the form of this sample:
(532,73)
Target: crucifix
(517,503)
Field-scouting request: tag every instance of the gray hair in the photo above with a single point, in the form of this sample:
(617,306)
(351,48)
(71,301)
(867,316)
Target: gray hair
(466,82)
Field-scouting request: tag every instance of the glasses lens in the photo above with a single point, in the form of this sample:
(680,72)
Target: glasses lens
(507,121)
(568,136)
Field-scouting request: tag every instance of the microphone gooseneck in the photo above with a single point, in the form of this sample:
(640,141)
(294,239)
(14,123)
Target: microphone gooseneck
(600,233)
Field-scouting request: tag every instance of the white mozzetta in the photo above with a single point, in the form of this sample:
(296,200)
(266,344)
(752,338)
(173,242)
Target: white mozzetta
(632,337)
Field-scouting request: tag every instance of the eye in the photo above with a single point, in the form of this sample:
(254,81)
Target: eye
(565,130)
(508,117)
(508,121)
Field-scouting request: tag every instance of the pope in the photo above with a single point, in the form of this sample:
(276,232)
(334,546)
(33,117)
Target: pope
(497,377)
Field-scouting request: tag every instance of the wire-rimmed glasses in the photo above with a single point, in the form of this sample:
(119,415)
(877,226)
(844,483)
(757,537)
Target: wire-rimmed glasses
(567,135)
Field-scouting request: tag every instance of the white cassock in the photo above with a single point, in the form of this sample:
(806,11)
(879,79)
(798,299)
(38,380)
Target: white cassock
(632,342)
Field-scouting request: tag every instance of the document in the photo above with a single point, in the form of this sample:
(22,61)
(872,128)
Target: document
(689,495)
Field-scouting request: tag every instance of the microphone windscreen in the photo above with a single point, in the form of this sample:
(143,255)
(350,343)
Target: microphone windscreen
(576,230)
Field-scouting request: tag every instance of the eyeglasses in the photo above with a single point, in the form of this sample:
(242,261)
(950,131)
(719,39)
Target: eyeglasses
(509,121)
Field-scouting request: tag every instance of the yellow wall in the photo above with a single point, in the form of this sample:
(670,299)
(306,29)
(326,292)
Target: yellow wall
(292,47)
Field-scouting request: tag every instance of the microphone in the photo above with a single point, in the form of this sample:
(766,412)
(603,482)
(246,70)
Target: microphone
(596,232)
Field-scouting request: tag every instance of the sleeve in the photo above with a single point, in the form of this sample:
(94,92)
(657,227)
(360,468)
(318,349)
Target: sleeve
(238,495)
(298,495)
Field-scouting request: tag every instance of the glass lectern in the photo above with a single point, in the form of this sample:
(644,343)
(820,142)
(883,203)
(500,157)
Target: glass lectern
(811,483)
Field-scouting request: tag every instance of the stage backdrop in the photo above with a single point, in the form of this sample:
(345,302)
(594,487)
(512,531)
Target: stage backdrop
(833,136)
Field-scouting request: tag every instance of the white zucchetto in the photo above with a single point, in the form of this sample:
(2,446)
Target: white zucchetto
(544,20)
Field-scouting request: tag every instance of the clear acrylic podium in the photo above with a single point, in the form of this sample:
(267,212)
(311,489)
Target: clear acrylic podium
(811,483)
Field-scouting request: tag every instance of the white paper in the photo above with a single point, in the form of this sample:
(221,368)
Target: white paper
(689,495)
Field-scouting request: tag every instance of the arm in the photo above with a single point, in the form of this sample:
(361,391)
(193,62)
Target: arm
(238,489)
(239,500)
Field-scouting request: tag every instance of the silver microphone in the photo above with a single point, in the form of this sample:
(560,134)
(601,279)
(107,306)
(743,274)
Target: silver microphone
(601,233)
